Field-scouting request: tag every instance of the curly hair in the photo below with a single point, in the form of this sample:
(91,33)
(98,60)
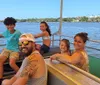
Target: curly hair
(9,21)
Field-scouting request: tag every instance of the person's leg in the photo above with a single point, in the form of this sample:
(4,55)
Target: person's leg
(2,60)
(44,49)
(14,56)
(3,56)
(9,81)
(12,63)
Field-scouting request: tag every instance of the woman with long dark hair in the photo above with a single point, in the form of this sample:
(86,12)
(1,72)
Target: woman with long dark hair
(45,34)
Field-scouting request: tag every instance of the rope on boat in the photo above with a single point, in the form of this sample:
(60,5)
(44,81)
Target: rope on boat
(90,47)
(96,41)
(93,48)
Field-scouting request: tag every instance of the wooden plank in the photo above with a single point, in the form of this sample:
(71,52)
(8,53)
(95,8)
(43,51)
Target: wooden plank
(70,75)
(60,75)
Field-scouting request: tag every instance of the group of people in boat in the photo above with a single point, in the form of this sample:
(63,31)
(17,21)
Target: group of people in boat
(33,68)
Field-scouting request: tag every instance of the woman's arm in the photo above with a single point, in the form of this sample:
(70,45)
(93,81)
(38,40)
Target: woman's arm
(39,35)
(55,56)
(74,59)
(64,59)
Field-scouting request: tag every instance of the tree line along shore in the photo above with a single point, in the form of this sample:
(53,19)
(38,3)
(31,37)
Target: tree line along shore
(68,19)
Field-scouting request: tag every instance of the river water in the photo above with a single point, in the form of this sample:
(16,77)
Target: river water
(68,29)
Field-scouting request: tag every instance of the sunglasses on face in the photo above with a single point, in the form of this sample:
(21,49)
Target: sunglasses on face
(25,43)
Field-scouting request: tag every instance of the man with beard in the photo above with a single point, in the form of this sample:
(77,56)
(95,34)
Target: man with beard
(32,70)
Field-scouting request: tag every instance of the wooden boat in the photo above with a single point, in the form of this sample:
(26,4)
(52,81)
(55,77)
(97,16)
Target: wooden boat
(60,74)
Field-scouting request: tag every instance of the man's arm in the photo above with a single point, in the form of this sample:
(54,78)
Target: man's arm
(27,72)
(21,81)
(30,69)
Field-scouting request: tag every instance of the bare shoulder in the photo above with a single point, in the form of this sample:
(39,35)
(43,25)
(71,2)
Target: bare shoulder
(35,56)
(77,55)
(38,55)
(46,33)
(32,57)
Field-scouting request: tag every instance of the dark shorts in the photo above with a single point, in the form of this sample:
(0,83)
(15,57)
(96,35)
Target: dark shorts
(44,48)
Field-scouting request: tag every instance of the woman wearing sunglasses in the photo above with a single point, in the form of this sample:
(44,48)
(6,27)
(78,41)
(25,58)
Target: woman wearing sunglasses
(33,69)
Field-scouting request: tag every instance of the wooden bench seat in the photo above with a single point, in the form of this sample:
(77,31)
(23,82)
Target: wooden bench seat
(61,74)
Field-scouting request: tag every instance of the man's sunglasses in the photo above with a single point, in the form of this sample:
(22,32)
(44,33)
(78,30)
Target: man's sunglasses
(25,43)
